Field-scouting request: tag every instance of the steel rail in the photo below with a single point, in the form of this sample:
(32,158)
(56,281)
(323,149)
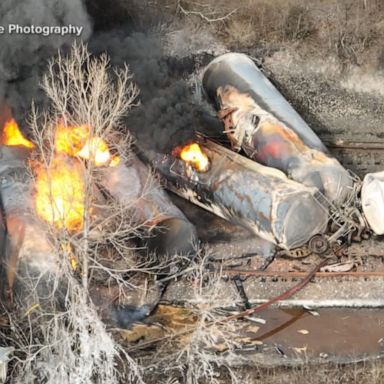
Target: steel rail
(243,272)
(355,145)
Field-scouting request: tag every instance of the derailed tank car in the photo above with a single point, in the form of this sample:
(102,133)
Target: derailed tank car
(256,197)
(259,120)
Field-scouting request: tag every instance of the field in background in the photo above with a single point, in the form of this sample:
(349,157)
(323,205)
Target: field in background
(351,30)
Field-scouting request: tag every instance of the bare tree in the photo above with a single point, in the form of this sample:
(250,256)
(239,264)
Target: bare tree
(70,343)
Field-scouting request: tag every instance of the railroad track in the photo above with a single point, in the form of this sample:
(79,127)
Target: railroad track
(289,275)
(360,157)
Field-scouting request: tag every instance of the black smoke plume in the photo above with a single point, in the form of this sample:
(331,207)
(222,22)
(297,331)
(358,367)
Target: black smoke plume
(168,115)
(23,58)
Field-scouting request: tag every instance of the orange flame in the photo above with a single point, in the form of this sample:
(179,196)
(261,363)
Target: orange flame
(12,135)
(60,189)
(193,155)
(76,141)
(70,140)
(96,149)
(60,192)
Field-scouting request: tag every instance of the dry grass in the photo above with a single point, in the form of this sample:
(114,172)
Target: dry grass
(365,373)
(182,344)
(350,30)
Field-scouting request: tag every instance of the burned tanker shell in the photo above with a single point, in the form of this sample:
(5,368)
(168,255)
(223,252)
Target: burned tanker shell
(15,179)
(133,185)
(259,120)
(26,237)
(259,198)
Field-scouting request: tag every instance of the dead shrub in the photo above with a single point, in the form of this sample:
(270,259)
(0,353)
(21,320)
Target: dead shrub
(298,23)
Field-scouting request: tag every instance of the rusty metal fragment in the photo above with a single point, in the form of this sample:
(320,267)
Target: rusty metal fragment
(259,120)
(259,198)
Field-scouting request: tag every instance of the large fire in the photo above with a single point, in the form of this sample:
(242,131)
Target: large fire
(60,189)
(192,154)
(77,141)
(70,140)
(60,192)
(96,149)
(12,136)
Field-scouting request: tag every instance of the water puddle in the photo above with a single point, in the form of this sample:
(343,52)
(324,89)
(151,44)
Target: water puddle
(331,334)
(328,332)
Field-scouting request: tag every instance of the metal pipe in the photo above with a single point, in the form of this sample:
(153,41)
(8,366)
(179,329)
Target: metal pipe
(259,120)
(259,198)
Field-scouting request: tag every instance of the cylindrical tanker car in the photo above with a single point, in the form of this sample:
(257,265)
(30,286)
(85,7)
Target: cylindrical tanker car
(259,120)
